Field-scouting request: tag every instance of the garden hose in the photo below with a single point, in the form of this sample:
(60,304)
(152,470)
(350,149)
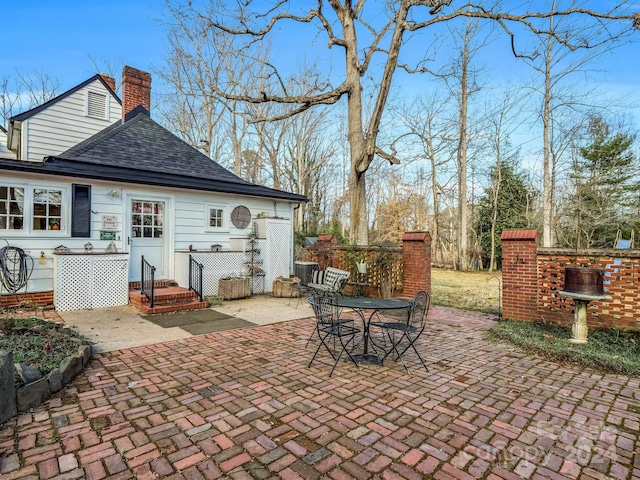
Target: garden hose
(15,269)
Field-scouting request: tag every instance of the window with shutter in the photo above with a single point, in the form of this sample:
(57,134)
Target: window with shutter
(81,211)
(96,105)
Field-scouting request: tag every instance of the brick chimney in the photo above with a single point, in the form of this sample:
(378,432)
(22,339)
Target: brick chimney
(109,81)
(136,90)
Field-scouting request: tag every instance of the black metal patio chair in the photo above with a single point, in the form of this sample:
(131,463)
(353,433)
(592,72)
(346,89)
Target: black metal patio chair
(403,332)
(335,333)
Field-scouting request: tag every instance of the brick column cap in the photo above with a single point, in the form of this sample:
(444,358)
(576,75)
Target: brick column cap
(415,236)
(519,235)
(325,238)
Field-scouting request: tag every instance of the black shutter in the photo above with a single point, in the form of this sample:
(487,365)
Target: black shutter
(81,211)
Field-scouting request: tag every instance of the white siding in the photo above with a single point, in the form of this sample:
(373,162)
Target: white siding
(4,151)
(46,241)
(190,218)
(65,124)
(185,221)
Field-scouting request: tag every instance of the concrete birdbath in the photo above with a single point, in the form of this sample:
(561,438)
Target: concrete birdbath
(583,285)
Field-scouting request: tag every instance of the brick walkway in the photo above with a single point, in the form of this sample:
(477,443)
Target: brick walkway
(243,404)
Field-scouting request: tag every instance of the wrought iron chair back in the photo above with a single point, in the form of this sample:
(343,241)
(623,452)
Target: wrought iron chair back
(403,334)
(329,326)
(419,310)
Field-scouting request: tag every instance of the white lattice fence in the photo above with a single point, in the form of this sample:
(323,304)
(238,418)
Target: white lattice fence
(217,265)
(90,281)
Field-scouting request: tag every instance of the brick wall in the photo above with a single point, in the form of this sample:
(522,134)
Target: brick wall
(38,298)
(532,275)
(410,271)
(621,282)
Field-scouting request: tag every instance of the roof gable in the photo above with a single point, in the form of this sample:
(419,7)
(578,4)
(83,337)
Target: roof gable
(29,113)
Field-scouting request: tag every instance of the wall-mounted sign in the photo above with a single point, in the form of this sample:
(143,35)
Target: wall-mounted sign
(109,222)
(107,235)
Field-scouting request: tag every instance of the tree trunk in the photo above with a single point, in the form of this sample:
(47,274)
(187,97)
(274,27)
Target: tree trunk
(463,246)
(546,146)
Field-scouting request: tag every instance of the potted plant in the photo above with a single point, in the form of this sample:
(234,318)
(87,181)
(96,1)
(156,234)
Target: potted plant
(54,224)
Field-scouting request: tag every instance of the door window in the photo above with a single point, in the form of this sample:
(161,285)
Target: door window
(147,219)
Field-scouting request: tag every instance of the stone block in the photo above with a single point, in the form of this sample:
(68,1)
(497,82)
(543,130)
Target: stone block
(283,287)
(85,352)
(70,367)
(32,395)
(27,373)
(55,380)
(8,405)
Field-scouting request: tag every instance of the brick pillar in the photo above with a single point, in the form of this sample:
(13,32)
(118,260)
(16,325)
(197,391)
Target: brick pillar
(136,90)
(416,259)
(325,251)
(519,275)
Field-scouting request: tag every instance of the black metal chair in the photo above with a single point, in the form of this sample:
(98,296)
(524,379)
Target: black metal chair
(334,312)
(332,329)
(402,333)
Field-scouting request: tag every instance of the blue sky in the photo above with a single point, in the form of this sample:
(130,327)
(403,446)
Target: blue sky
(60,38)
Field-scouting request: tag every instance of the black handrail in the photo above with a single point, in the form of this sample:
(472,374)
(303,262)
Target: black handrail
(195,277)
(147,282)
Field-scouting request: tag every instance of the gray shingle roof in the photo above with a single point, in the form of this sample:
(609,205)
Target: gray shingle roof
(140,151)
(143,144)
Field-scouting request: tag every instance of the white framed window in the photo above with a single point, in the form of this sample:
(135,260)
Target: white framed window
(216,218)
(38,210)
(97,104)
(11,208)
(47,209)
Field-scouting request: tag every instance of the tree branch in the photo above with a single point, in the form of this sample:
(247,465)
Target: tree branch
(392,158)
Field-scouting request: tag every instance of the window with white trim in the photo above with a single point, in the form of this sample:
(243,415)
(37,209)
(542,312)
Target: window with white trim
(33,209)
(216,218)
(96,104)
(47,209)
(11,208)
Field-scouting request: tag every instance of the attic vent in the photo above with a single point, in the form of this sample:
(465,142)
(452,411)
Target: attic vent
(96,105)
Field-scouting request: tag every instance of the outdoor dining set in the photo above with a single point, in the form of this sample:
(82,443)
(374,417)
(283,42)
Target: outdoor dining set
(390,327)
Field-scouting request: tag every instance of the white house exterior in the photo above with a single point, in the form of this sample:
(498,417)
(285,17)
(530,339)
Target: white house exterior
(92,175)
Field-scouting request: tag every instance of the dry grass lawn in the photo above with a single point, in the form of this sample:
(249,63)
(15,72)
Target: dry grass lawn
(466,290)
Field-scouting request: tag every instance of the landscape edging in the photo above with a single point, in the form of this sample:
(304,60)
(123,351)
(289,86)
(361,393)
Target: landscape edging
(33,394)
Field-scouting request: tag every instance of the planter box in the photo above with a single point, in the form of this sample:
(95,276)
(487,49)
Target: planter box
(233,288)
(282,287)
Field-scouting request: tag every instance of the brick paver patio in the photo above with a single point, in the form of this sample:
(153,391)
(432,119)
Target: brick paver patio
(243,404)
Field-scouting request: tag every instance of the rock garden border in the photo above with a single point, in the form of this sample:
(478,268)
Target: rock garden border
(17,400)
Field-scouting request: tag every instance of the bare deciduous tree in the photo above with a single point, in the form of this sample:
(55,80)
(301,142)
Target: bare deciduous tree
(371,41)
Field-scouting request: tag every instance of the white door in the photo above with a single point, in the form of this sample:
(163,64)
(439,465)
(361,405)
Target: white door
(147,237)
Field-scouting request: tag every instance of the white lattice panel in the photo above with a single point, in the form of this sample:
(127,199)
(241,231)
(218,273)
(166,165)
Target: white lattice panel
(277,254)
(91,281)
(110,282)
(217,265)
(72,282)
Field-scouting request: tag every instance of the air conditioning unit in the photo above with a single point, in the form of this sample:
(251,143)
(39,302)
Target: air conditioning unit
(304,271)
